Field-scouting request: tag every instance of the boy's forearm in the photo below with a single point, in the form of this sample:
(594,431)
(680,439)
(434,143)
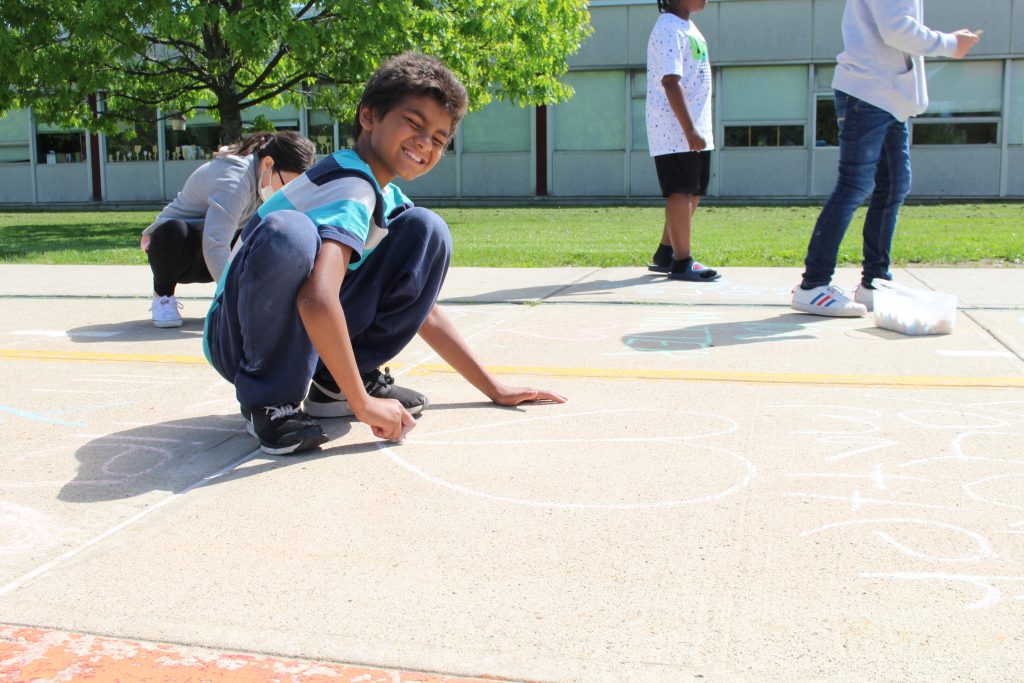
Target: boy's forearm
(324,320)
(676,100)
(328,331)
(440,334)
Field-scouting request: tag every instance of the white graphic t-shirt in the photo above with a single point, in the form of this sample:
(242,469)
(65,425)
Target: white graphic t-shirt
(676,46)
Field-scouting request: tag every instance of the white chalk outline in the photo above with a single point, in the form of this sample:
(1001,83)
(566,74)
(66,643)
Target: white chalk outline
(751,471)
(145,512)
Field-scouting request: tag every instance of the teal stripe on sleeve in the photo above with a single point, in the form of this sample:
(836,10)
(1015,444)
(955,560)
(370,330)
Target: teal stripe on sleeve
(348,215)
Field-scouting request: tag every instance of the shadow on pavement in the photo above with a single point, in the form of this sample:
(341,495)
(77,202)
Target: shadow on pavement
(135,331)
(547,291)
(777,328)
(174,456)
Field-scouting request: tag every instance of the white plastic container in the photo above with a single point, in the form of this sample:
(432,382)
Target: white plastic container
(913,311)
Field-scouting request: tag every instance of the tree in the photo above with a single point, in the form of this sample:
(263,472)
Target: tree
(225,56)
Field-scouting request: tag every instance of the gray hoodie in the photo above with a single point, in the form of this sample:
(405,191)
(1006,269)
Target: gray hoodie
(882,63)
(220,196)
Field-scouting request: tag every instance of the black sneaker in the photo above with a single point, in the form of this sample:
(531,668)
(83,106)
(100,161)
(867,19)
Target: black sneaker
(662,259)
(326,400)
(283,429)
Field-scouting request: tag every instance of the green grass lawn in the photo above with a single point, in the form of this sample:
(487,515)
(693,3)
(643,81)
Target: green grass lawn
(595,236)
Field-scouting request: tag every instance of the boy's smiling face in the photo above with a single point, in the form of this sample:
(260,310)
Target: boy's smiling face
(407,141)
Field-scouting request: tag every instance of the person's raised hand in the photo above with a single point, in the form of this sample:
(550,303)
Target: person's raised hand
(965,40)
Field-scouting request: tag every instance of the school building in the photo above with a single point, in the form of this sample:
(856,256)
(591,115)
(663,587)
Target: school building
(775,130)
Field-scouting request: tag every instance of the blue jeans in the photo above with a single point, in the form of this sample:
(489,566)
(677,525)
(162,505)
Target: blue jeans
(874,152)
(255,337)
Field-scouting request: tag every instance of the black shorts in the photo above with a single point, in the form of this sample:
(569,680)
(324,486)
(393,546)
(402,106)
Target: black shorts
(683,173)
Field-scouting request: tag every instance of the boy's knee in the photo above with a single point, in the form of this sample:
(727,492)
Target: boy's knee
(427,225)
(290,237)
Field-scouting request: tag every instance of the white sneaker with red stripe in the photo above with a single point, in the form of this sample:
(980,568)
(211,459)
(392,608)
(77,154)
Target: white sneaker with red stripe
(826,300)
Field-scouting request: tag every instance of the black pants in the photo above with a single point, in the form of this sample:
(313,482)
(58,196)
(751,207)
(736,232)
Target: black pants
(176,255)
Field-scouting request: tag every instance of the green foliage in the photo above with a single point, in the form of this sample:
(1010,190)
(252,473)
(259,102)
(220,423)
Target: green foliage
(227,55)
(594,236)
(261,124)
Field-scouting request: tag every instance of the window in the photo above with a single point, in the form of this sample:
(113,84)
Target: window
(14,137)
(965,103)
(826,130)
(134,141)
(498,127)
(56,145)
(595,118)
(826,127)
(199,140)
(764,106)
(322,132)
(764,136)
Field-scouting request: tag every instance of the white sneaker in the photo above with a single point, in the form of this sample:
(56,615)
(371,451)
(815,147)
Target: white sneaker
(165,311)
(864,296)
(826,300)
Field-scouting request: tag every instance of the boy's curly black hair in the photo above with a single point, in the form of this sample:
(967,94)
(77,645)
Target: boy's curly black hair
(665,5)
(412,73)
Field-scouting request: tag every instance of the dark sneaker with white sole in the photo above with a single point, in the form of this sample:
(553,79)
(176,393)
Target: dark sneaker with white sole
(283,429)
(326,400)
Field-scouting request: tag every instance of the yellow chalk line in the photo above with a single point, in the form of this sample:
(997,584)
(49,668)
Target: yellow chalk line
(746,377)
(95,357)
(579,373)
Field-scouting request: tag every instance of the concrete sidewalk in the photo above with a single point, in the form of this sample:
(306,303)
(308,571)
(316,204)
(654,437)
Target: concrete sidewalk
(734,491)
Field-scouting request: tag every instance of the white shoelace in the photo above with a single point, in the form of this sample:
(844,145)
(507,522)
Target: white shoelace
(281,411)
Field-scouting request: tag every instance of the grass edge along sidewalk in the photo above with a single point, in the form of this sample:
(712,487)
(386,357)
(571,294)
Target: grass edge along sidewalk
(599,236)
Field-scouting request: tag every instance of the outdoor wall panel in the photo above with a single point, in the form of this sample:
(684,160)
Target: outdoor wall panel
(643,176)
(133,181)
(993,16)
(608,43)
(826,171)
(955,171)
(587,174)
(1015,172)
(496,175)
(440,182)
(15,184)
(828,29)
(763,173)
(63,183)
(176,173)
(763,31)
(1017,27)
(640,21)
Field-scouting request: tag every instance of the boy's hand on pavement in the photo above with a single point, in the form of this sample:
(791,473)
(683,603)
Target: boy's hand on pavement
(965,40)
(696,141)
(387,418)
(513,396)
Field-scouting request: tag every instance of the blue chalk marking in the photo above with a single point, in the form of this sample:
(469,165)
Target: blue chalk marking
(39,417)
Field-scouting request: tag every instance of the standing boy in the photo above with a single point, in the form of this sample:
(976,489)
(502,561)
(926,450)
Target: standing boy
(341,271)
(679,133)
(879,83)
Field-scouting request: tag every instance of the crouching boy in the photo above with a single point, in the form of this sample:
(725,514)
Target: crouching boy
(338,271)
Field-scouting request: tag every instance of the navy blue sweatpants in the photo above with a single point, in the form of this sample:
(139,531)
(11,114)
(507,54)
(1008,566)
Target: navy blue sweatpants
(254,335)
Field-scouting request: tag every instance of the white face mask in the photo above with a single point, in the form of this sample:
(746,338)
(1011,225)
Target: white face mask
(266,191)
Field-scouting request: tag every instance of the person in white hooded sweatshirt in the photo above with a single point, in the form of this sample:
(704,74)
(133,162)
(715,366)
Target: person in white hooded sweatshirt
(190,241)
(879,83)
